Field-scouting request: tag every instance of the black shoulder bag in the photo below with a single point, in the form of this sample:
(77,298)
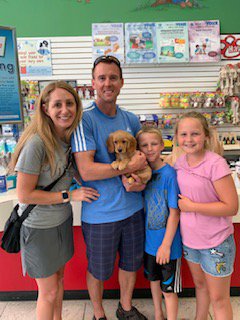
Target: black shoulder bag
(10,241)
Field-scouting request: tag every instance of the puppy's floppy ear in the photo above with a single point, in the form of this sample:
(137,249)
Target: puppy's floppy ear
(132,144)
(110,144)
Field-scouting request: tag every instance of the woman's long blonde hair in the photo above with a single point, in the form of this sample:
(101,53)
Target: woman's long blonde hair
(42,125)
(213,144)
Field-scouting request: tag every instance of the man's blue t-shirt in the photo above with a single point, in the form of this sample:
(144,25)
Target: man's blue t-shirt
(114,203)
(161,194)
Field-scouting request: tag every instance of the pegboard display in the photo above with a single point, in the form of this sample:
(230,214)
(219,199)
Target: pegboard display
(72,60)
(143,83)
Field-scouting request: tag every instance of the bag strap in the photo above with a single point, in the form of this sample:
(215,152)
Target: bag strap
(47,188)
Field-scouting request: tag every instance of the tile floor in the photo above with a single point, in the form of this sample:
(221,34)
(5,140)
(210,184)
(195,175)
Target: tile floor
(82,310)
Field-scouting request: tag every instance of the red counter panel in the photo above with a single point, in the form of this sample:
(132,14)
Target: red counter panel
(11,278)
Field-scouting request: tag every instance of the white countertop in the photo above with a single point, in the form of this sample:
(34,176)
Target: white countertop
(10,195)
(9,199)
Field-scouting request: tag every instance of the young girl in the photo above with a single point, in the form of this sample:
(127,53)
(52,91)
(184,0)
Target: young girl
(208,200)
(163,246)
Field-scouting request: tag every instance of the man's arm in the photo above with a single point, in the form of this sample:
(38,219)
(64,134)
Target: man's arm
(91,170)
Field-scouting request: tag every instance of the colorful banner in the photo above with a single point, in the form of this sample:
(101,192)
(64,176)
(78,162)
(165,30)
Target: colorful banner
(10,96)
(140,43)
(204,41)
(107,39)
(230,46)
(172,42)
(34,57)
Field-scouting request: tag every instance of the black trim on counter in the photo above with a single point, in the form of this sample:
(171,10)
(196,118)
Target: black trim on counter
(108,294)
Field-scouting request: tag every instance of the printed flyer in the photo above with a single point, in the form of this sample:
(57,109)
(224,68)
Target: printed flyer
(204,41)
(140,43)
(172,42)
(34,57)
(107,39)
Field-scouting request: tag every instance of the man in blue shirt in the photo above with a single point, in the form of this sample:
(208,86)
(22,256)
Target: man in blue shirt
(115,222)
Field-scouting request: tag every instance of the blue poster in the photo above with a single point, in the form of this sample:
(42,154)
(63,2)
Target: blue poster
(141,42)
(172,42)
(10,98)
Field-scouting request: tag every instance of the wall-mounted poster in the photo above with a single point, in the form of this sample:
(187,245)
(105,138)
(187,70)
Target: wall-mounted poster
(34,57)
(230,46)
(140,43)
(172,42)
(10,92)
(204,41)
(107,39)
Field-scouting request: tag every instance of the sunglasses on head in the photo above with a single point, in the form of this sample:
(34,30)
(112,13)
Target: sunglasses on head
(110,59)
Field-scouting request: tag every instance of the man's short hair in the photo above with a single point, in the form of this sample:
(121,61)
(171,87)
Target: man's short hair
(108,60)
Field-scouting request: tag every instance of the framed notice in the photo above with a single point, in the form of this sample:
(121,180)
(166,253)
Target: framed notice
(172,42)
(140,43)
(204,41)
(34,57)
(107,39)
(230,46)
(10,92)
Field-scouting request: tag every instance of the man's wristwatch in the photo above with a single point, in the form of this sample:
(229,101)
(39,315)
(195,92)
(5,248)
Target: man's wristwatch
(65,196)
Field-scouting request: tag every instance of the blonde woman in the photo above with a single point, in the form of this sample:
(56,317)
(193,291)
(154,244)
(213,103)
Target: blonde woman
(40,158)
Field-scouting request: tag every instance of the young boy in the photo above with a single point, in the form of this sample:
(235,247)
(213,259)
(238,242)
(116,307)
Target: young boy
(163,247)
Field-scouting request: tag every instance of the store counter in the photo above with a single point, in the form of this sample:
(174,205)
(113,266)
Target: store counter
(14,286)
(9,199)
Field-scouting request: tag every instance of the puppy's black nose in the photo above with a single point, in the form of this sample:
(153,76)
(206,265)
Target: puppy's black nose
(119,150)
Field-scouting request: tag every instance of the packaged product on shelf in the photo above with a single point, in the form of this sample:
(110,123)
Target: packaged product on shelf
(3,177)
(7,130)
(208,116)
(209,100)
(2,147)
(149,119)
(168,140)
(175,100)
(165,100)
(218,118)
(10,144)
(184,101)
(168,121)
(219,100)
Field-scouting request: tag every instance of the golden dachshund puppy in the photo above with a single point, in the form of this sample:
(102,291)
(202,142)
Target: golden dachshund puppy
(124,145)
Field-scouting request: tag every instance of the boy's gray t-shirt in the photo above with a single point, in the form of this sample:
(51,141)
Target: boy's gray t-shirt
(32,161)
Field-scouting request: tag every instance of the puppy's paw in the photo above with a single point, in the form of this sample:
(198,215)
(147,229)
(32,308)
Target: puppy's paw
(131,180)
(114,165)
(122,166)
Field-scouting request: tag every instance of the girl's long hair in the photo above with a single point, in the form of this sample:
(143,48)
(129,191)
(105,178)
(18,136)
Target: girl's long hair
(213,144)
(42,125)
